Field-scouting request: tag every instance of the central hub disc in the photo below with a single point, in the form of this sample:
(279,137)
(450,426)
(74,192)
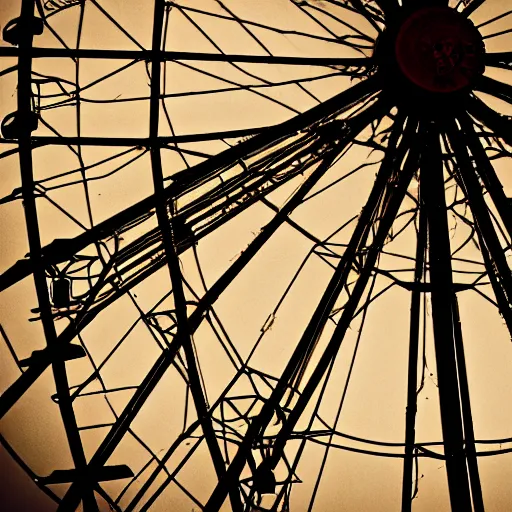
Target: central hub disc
(439,50)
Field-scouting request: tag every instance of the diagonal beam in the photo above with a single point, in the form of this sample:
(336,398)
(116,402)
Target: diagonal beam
(472,7)
(412,372)
(474,194)
(495,88)
(504,305)
(500,125)
(499,60)
(366,13)
(393,198)
(487,173)
(388,7)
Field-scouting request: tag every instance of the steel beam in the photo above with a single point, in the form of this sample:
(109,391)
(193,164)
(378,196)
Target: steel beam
(433,191)
(487,173)
(499,124)
(467,417)
(495,88)
(24,114)
(168,56)
(170,249)
(474,195)
(412,372)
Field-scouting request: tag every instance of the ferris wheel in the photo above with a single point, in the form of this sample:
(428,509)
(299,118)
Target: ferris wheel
(256,255)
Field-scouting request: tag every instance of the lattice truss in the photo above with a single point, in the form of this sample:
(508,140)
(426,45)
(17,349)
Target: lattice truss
(217,281)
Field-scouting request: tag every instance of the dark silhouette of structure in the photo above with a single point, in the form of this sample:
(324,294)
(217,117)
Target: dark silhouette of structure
(413,98)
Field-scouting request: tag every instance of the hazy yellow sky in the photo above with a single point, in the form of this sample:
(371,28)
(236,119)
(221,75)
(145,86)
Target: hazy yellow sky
(375,404)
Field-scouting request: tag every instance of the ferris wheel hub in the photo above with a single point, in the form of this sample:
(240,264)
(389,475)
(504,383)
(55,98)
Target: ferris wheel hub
(439,50)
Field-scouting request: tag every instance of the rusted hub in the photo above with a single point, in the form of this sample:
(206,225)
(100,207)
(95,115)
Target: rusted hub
(439,50)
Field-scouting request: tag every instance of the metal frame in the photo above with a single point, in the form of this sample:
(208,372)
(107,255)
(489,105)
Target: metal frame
(417,148)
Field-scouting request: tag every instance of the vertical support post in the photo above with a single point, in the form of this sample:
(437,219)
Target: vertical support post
(24,114)
(412,373)
(432,185)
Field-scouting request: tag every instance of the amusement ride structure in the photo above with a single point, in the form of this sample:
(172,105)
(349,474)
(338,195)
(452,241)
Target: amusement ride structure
(189,284)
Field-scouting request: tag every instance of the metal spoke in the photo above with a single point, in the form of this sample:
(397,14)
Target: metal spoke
(499,60)
(487,173)
(432,186)
(473,189)
(63,250)
(495,88)
(472,6)
(249,407)
(500,125)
